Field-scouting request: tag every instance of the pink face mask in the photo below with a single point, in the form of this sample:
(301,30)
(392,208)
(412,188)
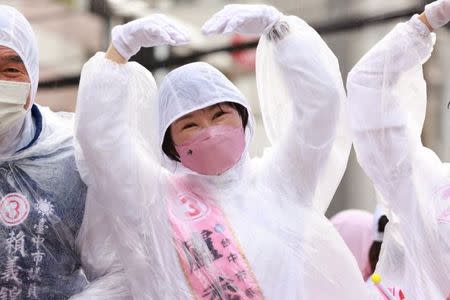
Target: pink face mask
(213,150)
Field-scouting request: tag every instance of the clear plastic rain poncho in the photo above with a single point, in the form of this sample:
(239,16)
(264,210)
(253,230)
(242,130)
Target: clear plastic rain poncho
(42,195)
(43,217)
(256,231)
(387,95)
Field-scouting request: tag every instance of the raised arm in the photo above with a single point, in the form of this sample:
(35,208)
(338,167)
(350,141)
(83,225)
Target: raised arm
(118,157)
(301,95)
(116,98)
(302,100)
(387,95)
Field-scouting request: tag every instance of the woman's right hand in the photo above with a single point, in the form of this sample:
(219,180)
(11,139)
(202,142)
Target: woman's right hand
(155,30)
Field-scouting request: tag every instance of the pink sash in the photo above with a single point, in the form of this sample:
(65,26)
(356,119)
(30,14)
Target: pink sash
(210,255)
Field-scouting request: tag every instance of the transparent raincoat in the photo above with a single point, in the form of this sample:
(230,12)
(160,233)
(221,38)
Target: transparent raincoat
(258,230)
(387,95)
(47,235)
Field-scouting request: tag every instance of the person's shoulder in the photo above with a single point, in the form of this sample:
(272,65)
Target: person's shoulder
(56,126)
(49,116)
(65,115)
(54,132)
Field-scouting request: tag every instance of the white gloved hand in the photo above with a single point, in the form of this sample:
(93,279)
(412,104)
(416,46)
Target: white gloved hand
(438,13)
(151,31)
(242,18)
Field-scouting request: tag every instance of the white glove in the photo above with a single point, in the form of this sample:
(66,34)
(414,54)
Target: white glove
(242,18)
(151,31)
(438,13)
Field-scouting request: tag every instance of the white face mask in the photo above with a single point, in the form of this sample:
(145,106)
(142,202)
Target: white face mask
(13,96)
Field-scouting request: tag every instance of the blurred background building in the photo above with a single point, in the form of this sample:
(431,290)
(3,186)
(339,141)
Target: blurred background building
(71,31)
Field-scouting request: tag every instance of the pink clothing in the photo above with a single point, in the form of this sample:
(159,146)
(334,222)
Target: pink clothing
(355,227)
(210,255)
(213,150)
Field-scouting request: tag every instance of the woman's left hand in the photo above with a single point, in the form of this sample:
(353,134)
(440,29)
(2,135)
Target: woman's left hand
(242,18)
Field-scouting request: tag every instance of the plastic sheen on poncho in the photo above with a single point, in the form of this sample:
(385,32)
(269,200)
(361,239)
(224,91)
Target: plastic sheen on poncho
(47,232)
(387,95)
(42,195)
(174,227)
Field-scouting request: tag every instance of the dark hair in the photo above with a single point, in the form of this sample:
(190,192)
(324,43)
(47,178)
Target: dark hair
(375,248)
(168,146)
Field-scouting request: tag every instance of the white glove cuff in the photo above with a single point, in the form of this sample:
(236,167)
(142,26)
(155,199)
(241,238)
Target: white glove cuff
(119,44)
(438,13)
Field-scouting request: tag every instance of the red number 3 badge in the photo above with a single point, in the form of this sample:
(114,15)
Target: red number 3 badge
(14,209)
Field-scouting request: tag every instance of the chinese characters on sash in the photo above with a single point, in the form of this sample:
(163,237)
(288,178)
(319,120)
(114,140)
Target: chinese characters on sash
(212,260)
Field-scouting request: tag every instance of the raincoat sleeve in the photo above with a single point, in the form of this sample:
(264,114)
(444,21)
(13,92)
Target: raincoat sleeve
(112,134)
(302,102)
(387,96)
